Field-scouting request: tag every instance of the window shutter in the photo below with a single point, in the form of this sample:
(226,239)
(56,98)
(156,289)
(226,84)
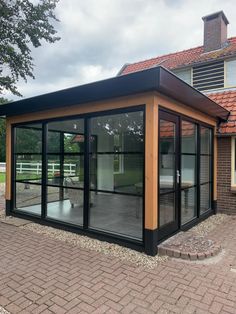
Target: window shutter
(209,76)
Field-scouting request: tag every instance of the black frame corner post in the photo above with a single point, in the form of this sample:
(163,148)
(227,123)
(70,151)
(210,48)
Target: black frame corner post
(150,242)
(44,171)
(86,172)
(8,207)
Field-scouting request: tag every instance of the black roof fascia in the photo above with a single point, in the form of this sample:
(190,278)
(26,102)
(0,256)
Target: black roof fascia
(126,85)
(175,88)
(155,79)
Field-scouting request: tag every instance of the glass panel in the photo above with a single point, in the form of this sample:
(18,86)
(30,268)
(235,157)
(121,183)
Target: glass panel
(117,214)
(205,197)
(205,140)
(167,155)
(188,205)
(124,129)
(28,198)
(188,137)
(73,143)
(72,132)
(205,169)
(74,167)
(29,139)
(65,205)
(116,165)
(167,137)
(184,75)
(188,170)
(53,141)
(167,172)
(103,177)
(54,174)
(166,209)
(230,73)
(29,168)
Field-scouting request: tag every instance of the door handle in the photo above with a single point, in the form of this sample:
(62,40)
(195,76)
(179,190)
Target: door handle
(178,176)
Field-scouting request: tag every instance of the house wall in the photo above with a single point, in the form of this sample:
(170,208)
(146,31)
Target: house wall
(226,197)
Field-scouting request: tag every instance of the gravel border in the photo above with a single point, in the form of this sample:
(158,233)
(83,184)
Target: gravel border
(3,311)
(115,250)
(210,224)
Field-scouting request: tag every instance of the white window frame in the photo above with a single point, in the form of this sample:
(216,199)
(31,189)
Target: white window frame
(175,71)
(225,74)
(233,170)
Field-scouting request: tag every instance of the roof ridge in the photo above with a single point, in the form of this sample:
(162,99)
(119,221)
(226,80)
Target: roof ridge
(171,54)
(165,55)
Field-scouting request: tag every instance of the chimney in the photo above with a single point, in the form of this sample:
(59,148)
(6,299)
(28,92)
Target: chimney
(215,31)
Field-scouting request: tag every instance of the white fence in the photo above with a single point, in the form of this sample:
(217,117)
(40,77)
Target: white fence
(36,168)
(2,167)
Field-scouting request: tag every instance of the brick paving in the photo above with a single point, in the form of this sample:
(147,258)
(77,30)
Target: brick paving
(42,275)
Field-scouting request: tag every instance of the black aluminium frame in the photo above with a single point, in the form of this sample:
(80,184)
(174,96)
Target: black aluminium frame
(210,211)
(126,241)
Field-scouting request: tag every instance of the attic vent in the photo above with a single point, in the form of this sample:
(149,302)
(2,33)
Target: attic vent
(209,76)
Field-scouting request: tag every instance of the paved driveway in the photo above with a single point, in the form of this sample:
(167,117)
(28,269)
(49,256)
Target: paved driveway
(42,275)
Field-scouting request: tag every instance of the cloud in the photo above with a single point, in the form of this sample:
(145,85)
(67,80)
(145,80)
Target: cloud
(98,37)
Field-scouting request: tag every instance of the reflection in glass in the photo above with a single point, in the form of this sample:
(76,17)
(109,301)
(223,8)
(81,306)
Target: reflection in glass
(205,168)
(65,204)
(106,179)
(167,155)
(167,172)
(167,137)
(166,209)
(66,171)
(29,168)
(205,201)
(28,198)
(116,166)
(53,145)
(126,126)
(205,140)
(29,139)
(188,205)
(188,170)
(188,137)
(117,214)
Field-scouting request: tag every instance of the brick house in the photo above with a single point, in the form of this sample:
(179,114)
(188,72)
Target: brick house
(211,69)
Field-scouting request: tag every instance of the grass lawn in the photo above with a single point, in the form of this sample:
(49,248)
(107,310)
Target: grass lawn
(2,177)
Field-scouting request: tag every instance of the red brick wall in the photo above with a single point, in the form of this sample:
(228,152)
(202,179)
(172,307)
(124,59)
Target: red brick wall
(215,33)
(226,200)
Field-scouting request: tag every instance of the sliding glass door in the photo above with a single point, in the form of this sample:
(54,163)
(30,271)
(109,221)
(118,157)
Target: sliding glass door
(116,187)
(65,171)
(85,171)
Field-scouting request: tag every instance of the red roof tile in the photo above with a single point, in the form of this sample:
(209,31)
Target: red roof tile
(183,58)
(226,99)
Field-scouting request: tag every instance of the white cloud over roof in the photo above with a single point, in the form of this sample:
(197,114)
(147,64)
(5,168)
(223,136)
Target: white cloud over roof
(98,37)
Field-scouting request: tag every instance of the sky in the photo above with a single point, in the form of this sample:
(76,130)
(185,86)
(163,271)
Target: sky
(98,37)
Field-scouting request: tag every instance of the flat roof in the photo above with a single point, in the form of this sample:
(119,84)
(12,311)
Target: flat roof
(156,79)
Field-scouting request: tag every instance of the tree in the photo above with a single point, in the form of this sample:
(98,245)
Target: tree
(3,133)
(23,25)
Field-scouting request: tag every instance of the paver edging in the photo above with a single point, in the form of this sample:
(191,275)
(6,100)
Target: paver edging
(189,246)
